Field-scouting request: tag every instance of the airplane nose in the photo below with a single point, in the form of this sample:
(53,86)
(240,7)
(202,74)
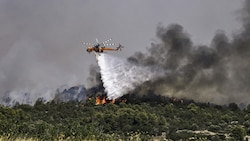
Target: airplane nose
(88,50)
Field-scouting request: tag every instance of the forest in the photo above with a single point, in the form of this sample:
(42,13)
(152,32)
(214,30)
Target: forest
(148,117)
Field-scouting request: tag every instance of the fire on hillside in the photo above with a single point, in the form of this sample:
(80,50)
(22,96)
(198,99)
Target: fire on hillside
(102,100)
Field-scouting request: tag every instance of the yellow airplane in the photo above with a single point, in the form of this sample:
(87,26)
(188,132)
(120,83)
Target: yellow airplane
(101,47)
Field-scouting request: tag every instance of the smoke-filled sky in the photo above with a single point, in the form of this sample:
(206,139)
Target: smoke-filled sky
(40,40)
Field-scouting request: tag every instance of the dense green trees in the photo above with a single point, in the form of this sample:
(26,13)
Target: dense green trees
(144,120)
(238,133)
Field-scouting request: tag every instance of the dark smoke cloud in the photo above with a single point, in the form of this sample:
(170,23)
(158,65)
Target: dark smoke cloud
(41,40)
(218,73)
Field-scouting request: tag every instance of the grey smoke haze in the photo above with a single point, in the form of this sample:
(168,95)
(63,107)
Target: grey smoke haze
(218,73)
(40,41)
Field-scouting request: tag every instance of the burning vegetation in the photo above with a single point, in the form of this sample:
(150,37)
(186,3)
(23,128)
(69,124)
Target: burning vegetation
(102,100)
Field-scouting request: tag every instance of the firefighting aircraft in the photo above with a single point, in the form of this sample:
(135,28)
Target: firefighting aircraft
(101,47)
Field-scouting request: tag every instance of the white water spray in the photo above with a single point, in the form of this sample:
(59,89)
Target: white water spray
(119,76)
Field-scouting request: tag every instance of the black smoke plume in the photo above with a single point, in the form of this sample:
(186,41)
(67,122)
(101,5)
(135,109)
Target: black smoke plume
(218,73)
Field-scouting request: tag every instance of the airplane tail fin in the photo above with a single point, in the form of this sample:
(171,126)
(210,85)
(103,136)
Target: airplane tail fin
(119,47)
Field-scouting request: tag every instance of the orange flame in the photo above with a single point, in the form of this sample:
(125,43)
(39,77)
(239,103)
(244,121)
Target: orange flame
(113,101)
(98,100)
(101,101)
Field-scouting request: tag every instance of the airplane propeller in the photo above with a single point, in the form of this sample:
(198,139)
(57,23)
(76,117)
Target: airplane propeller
(111,44)
(103,44)
(88,44)
(97,41)
(107,41)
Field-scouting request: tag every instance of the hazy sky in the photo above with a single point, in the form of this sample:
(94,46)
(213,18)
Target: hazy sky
(40,40)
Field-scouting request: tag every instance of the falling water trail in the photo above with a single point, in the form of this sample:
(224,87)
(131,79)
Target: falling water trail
(119,76)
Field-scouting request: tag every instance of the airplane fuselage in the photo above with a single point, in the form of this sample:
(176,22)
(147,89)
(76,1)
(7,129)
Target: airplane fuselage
(99,49)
